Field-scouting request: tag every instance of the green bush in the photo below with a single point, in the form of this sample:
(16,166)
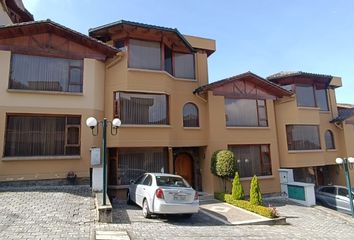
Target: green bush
(255,192)
(261,210)
(225,164)
(237,189)
(213,162)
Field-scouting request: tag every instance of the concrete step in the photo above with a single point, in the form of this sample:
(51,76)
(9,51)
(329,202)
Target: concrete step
(112,235)
(204,196)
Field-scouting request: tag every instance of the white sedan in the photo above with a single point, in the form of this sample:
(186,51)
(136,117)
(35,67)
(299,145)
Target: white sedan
(160,193)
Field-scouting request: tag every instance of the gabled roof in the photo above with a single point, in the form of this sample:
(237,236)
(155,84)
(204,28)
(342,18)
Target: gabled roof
(275,89)
(343,114)
(345,105)
(94,32)
(48,26)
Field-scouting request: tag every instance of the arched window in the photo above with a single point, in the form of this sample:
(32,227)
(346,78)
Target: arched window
(329,140)
(190,115)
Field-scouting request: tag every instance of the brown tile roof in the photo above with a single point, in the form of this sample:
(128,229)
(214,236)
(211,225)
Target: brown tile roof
(43,26)
(284,74)
(280,92)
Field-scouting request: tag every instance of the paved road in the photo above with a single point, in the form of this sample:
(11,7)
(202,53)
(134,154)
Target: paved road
(67,213)
(46,213)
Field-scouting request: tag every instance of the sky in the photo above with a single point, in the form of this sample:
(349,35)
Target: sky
(261,36)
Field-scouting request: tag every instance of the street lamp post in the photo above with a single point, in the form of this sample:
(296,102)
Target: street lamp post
(345,162)
(91,122)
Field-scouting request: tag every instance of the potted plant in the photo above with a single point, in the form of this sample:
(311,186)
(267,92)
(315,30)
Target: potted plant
(71,177)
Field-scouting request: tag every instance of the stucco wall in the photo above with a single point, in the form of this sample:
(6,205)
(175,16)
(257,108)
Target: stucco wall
(221,136)
(89,103)
(287,112)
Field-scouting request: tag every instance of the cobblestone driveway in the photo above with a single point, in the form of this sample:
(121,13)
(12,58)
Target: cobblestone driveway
(304,223)
(67,213)
(46,213)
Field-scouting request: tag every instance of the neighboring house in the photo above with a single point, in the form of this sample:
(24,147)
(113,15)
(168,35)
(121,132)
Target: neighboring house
(51,80)
(13,11)
(156,81)
(308,141)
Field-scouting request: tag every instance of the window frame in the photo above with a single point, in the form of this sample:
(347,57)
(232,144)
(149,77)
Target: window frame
(65,132)
(70,67)
(258,120)
(314,94)
(332,143)
(197,115)
(162,68)
(261,158)
(308,149)
(117,107)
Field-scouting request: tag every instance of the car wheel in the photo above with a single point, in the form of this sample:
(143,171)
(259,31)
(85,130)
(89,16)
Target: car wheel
(129,200)
(146,210)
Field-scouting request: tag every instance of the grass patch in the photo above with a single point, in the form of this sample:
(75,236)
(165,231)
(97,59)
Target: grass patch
(268,212)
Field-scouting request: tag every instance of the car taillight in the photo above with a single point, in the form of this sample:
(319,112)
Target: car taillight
(196,196)
(159,193)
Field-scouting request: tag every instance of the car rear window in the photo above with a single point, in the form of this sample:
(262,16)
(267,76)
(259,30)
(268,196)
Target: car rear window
(330,190)
(168,181)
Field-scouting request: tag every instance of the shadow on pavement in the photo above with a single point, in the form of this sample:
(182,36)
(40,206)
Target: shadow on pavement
(127,214)
(79,190)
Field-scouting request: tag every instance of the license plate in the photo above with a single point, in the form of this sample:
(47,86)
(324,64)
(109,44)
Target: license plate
(179,197)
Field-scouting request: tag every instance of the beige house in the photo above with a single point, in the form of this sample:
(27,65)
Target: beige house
(156,81)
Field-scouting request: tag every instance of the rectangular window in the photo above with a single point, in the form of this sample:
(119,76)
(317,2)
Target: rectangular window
(312,96)
(144,54)
(133,162)
(321,99)
(252,160)
(303,137)
(184,65)
(141,108)
(245,113)
(42,136)
(45,73)
(168,60)
(305,96)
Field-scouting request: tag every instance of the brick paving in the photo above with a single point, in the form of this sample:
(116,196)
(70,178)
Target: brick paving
(67,213)
(303,223)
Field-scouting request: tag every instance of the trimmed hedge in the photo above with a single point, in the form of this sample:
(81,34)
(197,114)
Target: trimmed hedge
(261,210)
(237,189)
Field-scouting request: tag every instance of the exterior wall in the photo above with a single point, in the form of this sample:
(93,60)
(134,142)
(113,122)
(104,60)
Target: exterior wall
(89,103)
(287,112)
(4,18)
(221,136)
(180,91)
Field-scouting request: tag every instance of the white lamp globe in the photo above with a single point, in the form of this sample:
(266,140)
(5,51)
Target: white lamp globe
(351,159)
(339,160)
(116,122)
(91,122)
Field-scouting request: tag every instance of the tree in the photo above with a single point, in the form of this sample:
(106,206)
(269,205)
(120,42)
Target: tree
(255,192)
(213,162)
(237,189)
(225,165)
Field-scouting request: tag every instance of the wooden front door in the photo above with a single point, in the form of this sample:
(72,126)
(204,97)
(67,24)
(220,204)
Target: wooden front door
(184,167)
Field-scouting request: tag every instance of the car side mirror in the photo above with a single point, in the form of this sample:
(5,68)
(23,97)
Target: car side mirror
(132,181)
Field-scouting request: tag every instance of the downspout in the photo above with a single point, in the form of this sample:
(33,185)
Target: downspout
(116,59)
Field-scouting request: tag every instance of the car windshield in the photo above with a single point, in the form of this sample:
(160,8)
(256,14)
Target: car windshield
(170,181)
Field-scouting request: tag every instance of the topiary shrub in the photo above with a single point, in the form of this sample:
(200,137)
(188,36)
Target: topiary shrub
(213,162)
(237,189)
(225,165)
(255,192)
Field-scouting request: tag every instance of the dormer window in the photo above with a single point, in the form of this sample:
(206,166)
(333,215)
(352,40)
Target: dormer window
(150,55)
